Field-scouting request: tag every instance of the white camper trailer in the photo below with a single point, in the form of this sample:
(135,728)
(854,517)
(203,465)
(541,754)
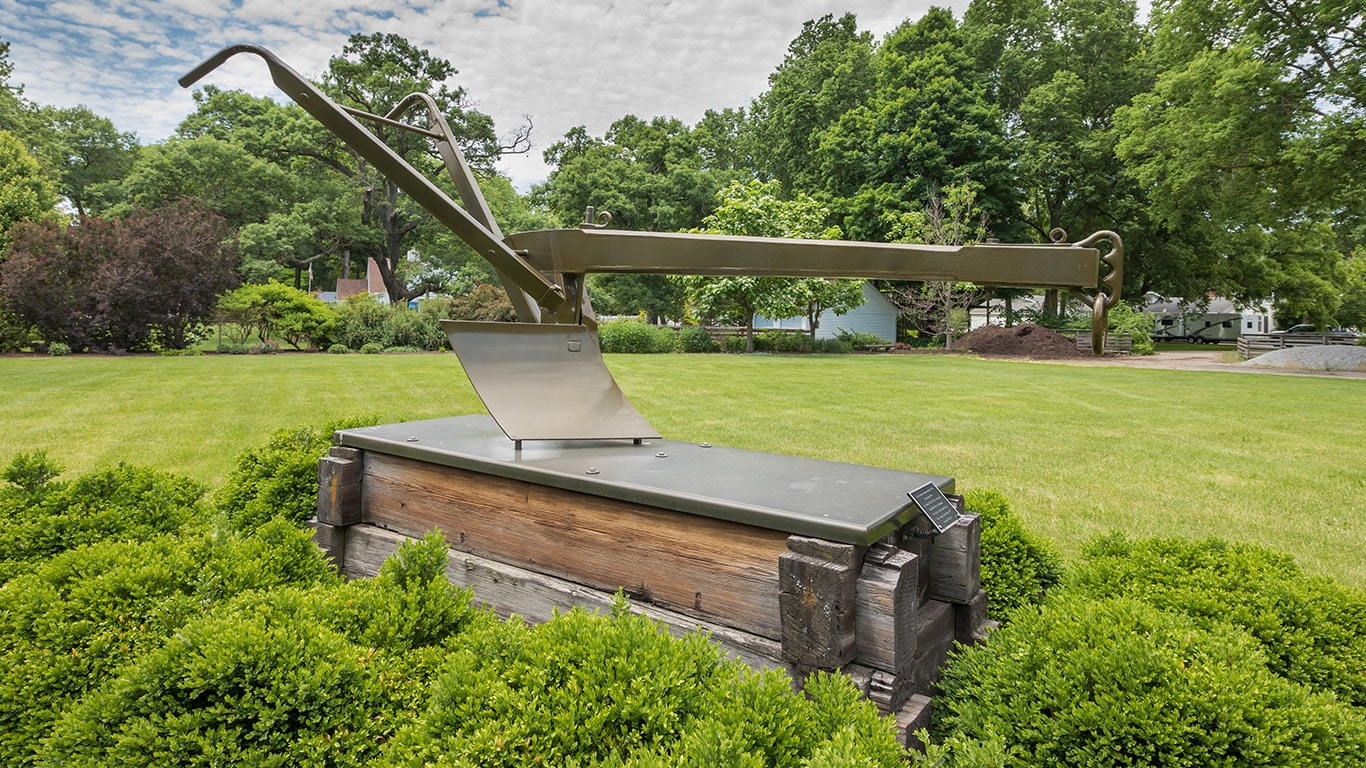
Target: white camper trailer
(1216,322)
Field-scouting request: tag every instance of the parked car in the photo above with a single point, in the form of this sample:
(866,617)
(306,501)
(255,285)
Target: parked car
(1309,329)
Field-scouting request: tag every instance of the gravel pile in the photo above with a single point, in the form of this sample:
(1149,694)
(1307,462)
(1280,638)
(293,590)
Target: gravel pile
(1330,357)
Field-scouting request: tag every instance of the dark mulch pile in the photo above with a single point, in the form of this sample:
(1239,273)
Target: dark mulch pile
(1020,341)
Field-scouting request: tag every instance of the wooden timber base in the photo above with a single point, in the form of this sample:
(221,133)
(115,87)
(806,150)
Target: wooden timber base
(886,611)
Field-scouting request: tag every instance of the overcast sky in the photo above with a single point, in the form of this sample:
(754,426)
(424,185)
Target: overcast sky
(561,62)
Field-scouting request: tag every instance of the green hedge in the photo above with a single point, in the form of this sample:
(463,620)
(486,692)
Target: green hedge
(76,621)
(635,337)
(618,690)
(320,675)
(1116,682)
(696,340)
(41,516)
(1017,566)
(279,478)
(1311,630)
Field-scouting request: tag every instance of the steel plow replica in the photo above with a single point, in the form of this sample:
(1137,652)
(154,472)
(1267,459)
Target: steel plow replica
(567,494)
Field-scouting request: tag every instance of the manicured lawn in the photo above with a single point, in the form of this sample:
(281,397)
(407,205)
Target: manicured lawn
(1079,450)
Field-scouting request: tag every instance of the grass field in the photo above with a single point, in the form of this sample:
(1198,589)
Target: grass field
(1276,460)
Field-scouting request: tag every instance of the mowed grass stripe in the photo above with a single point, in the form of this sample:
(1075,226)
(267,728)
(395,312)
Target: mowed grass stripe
(1078,450)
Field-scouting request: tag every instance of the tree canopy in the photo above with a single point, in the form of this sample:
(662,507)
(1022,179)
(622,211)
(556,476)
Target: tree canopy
(1224,140)
(758,210)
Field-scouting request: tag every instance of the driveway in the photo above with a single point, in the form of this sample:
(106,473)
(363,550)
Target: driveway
(1223,359)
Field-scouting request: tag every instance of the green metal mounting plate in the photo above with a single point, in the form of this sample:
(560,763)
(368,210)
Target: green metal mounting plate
(847,503)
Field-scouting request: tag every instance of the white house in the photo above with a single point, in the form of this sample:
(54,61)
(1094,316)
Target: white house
(876,315)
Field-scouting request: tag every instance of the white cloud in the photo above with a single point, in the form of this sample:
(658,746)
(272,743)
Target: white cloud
(586,62)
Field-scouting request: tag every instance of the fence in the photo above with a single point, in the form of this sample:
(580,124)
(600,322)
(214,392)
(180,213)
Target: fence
(1115,343)
(1252,344)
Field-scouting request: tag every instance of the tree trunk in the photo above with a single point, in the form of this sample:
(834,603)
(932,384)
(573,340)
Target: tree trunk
(948,318)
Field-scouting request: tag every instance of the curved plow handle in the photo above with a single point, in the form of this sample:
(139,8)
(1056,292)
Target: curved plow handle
(336,119)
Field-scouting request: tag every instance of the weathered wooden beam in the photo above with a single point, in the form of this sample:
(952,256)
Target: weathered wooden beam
(914,716)
(339,479)
(934,641)
(713,569)
(970,623)
(886,608)
(817,597)
(536,597)
(956,561)
(331,539)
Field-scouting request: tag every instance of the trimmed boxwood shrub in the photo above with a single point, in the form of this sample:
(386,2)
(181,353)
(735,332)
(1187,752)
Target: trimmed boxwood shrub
(280,478)
(78,619)
(41,516)
(294,676)
(1101,683)
(584,689)
(1017,566)
(781,341)
(635,337)
(696,340)
(1312,630)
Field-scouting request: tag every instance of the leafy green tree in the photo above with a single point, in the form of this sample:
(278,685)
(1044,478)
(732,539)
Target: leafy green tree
(659,175)
(1058,70)
(316,222)
(827,71)
(88,151)
(12,103)
(266,129)
(1352,311)
(219,175)
(373,73)
(1251,143)
(927,124)
(757,209)
(940,307)
(312,232)
(276,311)
(447,260)
(26,194)
(656,295)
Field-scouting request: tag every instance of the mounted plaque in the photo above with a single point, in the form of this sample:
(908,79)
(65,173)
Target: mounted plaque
(936,506)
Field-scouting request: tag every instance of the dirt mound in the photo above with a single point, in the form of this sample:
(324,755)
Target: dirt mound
(1020,341)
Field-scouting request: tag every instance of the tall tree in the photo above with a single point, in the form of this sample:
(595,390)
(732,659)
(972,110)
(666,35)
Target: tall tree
(315,221)
(940,307)
(373,73)
(1253,144)
(88,150)
(15,111)
(828,70)
(758,210)
(221,175)
(927,125)
(1058,70)
(658,175)
(26,194)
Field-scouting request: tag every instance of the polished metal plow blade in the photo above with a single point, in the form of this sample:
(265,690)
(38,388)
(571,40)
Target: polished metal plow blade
(545,381)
